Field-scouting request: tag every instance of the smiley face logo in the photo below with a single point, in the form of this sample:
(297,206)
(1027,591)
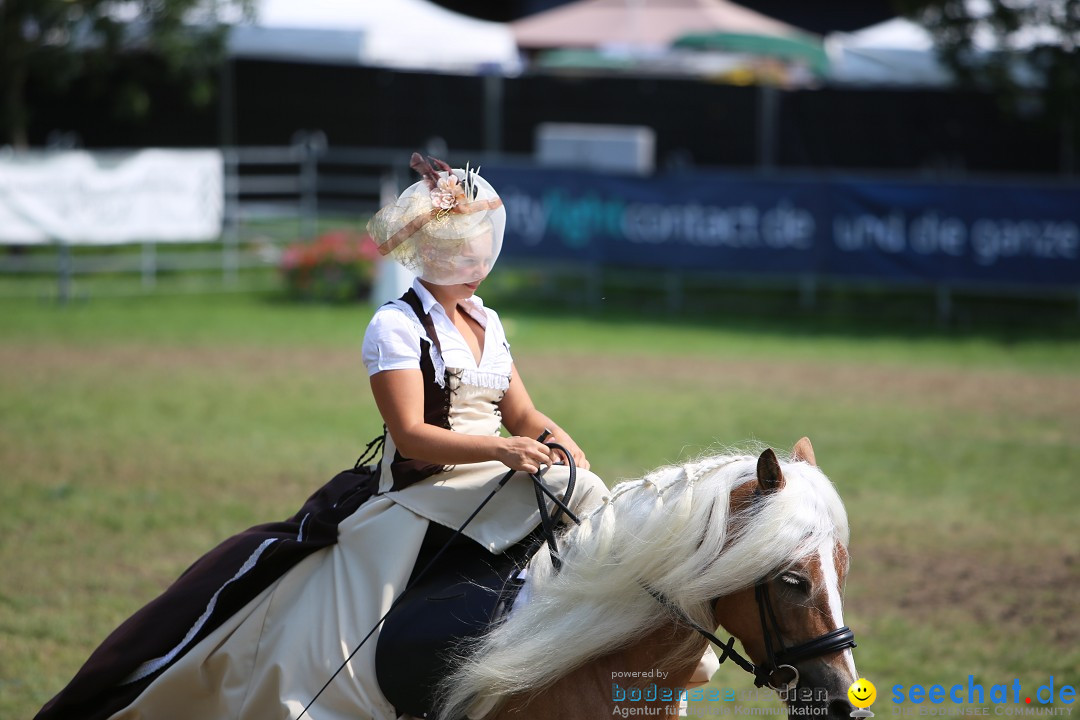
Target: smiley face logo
(862,693)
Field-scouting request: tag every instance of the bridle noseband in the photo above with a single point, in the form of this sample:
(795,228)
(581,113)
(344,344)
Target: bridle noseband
(780,660)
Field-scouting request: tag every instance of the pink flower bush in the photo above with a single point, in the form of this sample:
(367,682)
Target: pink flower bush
(336,266)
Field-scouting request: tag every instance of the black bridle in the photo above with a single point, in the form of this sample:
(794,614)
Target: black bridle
(780,660)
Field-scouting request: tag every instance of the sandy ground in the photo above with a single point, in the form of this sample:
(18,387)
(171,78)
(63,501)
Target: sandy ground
(923,584)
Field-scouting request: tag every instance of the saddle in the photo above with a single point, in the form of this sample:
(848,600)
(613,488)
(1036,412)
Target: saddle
(452,604)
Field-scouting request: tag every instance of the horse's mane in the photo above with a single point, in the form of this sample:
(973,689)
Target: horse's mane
(669,531)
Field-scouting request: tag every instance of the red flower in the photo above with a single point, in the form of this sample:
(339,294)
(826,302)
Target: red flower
(337,265)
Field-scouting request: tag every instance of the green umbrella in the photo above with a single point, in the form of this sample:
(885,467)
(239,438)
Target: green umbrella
(583,58)
(803,48)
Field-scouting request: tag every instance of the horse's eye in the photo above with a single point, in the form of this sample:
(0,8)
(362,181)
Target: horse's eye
(795,582)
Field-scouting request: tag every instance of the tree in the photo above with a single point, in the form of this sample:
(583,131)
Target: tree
(50,44)
(1027,52)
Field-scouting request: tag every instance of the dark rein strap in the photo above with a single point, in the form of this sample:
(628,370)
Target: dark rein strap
(727,649)
(546,518)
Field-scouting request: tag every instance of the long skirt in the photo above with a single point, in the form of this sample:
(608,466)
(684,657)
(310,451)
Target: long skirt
(270,659)
(266,658)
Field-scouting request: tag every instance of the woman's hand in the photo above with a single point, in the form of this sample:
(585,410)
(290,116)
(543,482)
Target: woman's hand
(521,417)
(522,453)
(575,452)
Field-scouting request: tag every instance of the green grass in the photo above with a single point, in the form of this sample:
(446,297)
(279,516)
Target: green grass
(211,318)
(135,432)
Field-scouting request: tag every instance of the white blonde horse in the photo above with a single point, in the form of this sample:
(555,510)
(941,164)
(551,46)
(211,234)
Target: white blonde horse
(736,540)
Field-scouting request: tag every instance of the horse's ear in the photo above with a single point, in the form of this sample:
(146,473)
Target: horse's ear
(769,477)
(805,451)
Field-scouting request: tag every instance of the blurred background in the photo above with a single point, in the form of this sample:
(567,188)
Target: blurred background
(726,223)
(816,148)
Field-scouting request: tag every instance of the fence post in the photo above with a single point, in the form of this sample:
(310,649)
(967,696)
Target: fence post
(594,285)
(808,292)
(674,290)
(493,102)
(309,199)
(312,144)
(1067,148)
(944,304)
(230,246)
(768,109)
(63,272)
(149,264)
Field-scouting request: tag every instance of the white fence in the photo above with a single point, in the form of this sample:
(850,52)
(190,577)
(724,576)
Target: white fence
(78,197)
(58,209)
(259,200)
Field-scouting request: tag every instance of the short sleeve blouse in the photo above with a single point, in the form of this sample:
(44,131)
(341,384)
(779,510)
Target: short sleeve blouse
(392,339)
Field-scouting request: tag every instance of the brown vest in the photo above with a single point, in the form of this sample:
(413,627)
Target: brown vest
(406,471)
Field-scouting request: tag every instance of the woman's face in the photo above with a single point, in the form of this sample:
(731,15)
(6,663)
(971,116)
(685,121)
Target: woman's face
(475,259)
(466,265)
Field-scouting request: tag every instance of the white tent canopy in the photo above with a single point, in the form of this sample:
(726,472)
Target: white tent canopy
(895,52)
(896,34)
(901,52)
(400,34)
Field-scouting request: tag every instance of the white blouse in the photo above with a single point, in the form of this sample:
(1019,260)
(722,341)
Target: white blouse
(392,341)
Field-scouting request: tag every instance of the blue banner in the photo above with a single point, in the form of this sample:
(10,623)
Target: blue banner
(972,232)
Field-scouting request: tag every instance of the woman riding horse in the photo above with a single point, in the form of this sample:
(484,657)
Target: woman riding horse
(444,381)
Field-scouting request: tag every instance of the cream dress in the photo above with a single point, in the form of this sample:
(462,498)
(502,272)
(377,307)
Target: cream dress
(271,658)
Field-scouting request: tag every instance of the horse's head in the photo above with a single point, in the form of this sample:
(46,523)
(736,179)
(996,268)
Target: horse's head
(791,622)
(767,544)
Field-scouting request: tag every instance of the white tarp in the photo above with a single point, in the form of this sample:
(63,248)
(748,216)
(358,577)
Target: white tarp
(92,198)
(400,34)
(901,52)
(894,52)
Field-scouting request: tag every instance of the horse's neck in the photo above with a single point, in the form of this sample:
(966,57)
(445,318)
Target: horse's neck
(587,692)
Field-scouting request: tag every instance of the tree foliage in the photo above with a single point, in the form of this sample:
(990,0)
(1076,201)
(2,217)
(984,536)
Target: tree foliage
(1025,51)
(50,44)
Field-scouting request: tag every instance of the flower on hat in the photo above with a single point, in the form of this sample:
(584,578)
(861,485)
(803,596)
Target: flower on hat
(447,192)
(443,200)
(450,184)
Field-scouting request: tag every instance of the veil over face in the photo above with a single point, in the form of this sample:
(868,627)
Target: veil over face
(446,229)
(451,263)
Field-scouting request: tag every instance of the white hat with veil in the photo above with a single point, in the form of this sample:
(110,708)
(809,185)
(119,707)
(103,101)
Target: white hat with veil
(447,228)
